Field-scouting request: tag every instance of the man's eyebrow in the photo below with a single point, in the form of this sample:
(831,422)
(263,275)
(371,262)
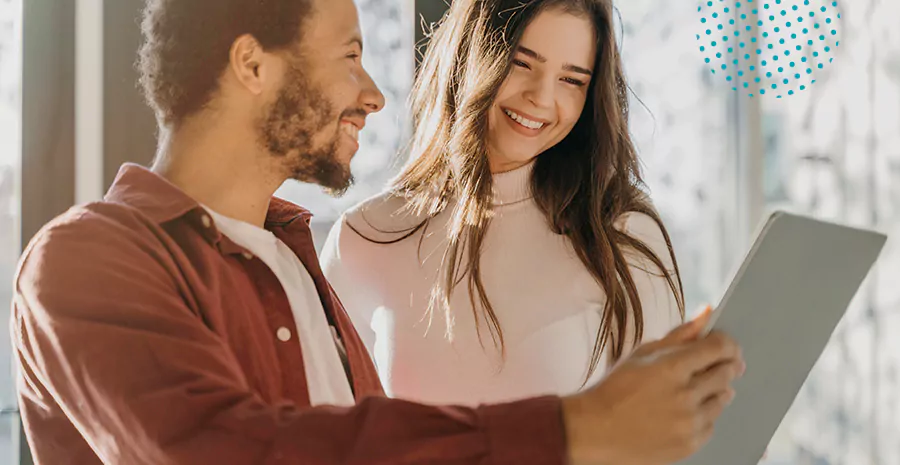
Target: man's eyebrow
(355,40)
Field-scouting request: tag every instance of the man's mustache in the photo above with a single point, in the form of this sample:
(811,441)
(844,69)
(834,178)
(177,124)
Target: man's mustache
(353,112)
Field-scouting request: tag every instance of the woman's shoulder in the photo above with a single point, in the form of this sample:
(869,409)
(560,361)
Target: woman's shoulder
(646,227)
(383,217)
(641,224)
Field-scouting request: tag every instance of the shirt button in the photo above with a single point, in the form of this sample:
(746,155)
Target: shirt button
(248,255)
(283,334)
(207,222)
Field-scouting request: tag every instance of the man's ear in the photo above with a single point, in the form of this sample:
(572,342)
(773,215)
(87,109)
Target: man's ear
(248,64)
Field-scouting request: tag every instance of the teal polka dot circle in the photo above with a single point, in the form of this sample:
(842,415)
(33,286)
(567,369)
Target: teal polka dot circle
(762,47)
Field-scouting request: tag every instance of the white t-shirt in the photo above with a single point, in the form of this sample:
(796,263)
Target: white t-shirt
(325,375)
(548,305)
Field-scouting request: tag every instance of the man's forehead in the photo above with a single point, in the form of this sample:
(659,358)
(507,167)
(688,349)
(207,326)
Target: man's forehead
(333,21)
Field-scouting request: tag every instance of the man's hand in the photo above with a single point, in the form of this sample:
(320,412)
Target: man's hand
(659,405)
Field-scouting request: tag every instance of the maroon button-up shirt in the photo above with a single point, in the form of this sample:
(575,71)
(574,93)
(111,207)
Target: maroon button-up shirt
(144,336)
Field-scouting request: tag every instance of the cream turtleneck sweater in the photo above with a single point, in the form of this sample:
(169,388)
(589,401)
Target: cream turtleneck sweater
(548,305)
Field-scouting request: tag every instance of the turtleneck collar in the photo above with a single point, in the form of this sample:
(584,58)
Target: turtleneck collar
(514,186)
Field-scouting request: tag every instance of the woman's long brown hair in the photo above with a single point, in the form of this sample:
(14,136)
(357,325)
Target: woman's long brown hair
(583,184)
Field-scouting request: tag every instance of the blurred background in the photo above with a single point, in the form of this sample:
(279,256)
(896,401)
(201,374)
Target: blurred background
(715,160)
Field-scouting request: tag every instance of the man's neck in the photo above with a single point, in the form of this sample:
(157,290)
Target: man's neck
(222,169)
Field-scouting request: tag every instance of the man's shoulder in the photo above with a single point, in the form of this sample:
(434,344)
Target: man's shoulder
(93,221)
(88,232)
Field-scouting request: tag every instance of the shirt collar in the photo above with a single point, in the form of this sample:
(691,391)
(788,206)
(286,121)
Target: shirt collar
(162,201)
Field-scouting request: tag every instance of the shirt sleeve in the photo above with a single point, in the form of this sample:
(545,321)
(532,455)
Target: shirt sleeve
(338,258)
(103,323)
(659,304)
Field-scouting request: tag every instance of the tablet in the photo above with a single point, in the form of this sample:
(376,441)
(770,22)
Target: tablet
(782,307)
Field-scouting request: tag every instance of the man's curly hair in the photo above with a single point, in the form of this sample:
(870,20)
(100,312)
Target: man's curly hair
(187,43)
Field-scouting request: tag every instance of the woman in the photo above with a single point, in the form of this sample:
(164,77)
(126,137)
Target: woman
(516,254)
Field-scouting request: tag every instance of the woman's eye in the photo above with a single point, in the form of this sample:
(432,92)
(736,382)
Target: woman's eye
(574,82)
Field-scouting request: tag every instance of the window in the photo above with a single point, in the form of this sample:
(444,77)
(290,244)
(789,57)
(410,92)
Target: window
(684,129)
(835,153)
(10,150)
(715,160)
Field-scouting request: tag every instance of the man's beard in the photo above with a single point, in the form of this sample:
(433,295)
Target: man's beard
(299,113)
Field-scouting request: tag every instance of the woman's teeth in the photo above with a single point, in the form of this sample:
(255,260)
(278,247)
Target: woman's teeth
(523,121)
(351,130)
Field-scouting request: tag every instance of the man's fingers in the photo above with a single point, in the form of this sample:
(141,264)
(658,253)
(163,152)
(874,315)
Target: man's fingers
(713,407)
(715,380)
(690,330)
(685,333)
(700,356)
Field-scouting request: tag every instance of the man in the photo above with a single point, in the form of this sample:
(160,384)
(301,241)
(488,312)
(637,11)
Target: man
(185,320)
